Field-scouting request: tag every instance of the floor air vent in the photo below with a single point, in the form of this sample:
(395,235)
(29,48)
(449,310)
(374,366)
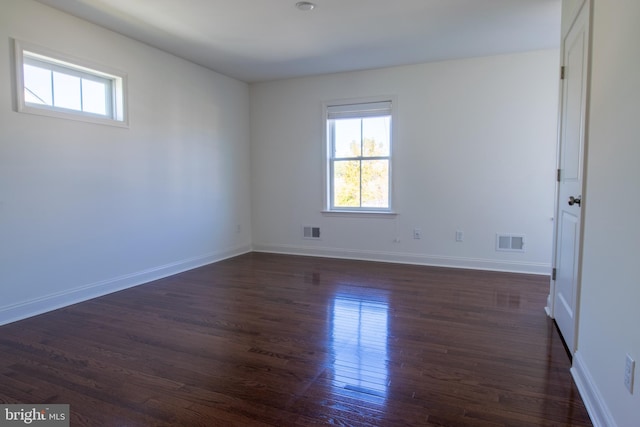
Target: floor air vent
(510,243)
(309,232)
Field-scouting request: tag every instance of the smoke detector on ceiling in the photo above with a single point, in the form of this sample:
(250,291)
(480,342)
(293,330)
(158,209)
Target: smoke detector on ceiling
(305,6)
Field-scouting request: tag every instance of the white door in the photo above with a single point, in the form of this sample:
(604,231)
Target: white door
(568,238)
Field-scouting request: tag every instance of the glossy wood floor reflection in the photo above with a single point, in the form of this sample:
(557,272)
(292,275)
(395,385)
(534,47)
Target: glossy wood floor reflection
(274,340)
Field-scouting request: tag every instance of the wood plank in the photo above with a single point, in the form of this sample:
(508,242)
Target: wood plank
(276,340)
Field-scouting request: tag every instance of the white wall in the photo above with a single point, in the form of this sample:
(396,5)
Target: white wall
(609,309)
(86,209)
(475,151)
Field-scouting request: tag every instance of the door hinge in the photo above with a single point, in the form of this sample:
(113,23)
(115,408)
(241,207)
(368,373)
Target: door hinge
(562,73)
(558,175)
(553,274)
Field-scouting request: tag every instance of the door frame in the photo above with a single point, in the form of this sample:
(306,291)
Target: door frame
(573,10)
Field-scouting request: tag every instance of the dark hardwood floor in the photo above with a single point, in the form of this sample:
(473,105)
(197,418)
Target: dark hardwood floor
(274,340)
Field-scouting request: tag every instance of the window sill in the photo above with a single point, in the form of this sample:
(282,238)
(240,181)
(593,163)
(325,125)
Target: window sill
(360,214)
(77,116)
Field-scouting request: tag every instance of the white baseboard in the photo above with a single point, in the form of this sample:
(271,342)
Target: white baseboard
(549,308)
(408,258)
(596,407)
(15,312)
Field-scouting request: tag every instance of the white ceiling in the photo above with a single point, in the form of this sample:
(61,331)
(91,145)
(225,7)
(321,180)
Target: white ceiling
(259,40)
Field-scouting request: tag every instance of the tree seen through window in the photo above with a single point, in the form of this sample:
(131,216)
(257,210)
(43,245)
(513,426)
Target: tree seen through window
(361,151)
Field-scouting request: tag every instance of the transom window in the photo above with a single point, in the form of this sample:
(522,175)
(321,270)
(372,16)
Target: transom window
(49,84)
(359,160)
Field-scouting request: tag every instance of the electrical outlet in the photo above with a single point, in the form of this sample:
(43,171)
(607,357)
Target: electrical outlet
(417,233)
(629,368)
(459,236)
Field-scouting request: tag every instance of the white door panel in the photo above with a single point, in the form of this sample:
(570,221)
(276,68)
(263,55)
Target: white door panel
(568,236)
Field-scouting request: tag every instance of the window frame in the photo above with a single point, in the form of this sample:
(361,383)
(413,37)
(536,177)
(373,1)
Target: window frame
(328,158)
(115,101)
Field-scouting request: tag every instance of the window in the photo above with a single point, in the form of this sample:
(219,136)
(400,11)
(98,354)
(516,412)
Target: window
(52,84)
(359,157)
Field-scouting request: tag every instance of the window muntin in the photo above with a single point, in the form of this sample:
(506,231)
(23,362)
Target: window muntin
(51,84)
(359,146)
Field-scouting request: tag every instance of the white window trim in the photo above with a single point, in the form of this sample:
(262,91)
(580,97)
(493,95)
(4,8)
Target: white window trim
(119,79)
(326,157)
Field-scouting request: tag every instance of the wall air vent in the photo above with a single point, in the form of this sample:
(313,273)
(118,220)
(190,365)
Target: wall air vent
(510,242)
(309,232)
